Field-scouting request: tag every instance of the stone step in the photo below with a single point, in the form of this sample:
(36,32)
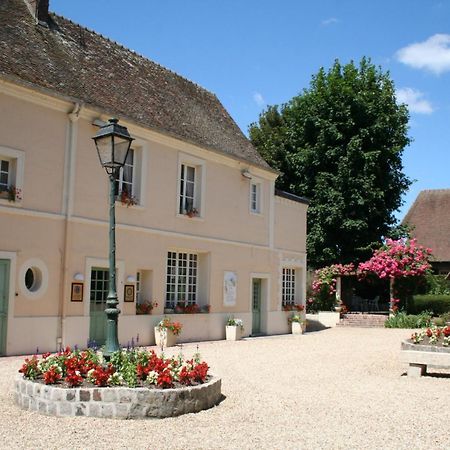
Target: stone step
(362,320)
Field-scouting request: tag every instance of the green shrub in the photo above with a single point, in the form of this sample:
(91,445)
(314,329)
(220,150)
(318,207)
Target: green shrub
(437,285)
(403,320)
(437,304)
(445,317)
(439,321)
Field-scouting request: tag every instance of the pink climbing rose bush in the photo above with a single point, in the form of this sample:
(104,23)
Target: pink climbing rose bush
(398,259)
(324,286)
(326,277)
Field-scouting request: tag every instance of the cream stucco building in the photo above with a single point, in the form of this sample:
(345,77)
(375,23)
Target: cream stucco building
(58,82)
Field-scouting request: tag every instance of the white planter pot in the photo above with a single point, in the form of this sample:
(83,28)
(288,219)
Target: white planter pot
(233,333)
(297,328)
(166,337)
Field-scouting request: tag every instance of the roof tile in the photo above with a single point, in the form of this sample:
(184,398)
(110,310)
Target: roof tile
(69,60)
(430,218)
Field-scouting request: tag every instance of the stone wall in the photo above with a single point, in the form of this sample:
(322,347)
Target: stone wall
(119,402)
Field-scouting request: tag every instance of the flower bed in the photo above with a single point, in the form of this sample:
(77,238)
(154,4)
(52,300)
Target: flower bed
(429,347)
(130,367)
(84,377)
(439,336)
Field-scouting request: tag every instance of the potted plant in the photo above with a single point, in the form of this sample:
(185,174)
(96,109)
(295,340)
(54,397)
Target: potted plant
(293,307)
(166,332)
(145,307)
(234,329)
(127,199)
(192,212)
(11,193)
(298,324)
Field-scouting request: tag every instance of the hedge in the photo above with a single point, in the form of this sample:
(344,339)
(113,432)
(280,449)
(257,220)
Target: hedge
(438,304)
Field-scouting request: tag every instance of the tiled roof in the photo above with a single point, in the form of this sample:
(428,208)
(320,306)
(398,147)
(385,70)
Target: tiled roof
(430,217)
(293,197)
(69,60)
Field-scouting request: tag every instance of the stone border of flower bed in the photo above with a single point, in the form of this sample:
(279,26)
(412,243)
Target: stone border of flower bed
(116,402)
(420,356)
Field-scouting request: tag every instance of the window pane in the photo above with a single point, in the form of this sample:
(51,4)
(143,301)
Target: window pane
(190,190)
(128,174)
(190,173)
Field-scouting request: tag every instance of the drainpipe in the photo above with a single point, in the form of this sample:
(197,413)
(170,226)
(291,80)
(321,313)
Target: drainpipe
(67,211)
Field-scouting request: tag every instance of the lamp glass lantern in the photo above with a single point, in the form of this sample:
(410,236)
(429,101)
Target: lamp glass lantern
(113,143)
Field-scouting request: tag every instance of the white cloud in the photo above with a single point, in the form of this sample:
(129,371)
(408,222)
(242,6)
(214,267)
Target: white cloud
(415,101)
(329,21)
(432,54)
(259,99)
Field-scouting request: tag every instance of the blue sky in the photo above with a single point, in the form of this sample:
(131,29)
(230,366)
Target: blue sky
(255,53)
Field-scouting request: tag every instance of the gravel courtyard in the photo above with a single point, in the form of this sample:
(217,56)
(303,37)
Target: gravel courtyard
(337,388)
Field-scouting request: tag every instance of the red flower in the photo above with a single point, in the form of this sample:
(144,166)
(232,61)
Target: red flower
(52,375)
(74,378)
(165,379)
(102,374)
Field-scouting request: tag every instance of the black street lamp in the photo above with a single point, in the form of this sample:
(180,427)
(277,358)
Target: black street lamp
(113,144)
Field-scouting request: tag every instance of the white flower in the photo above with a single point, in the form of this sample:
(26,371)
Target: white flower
(152,377)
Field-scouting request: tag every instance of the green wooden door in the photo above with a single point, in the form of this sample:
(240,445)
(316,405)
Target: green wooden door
(4,297)
(256,306)
(99,293)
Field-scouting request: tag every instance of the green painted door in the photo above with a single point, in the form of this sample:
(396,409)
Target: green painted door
(256,306)
(99,293)
(4,297)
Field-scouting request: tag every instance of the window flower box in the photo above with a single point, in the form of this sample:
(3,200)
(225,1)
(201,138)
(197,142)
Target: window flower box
(145,307)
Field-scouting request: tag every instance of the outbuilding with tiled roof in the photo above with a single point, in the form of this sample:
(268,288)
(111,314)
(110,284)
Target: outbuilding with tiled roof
(429,218)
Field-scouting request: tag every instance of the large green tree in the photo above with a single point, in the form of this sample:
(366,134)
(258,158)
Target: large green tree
(340,143)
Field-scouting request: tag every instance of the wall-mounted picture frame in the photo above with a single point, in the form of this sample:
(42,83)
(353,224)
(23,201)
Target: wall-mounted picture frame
(76,294)
(128,295)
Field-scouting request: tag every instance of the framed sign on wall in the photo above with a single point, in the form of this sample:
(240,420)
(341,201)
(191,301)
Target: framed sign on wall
(129,293)
(76,292)
(229,288)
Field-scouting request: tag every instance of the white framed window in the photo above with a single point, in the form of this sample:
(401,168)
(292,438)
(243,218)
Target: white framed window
(129,186)
(188,202)
(33,278)
(5,174)
(124,178)
(138,287)
(288,286)
(191,186)
(11,174)
(255,197)
(182,278)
